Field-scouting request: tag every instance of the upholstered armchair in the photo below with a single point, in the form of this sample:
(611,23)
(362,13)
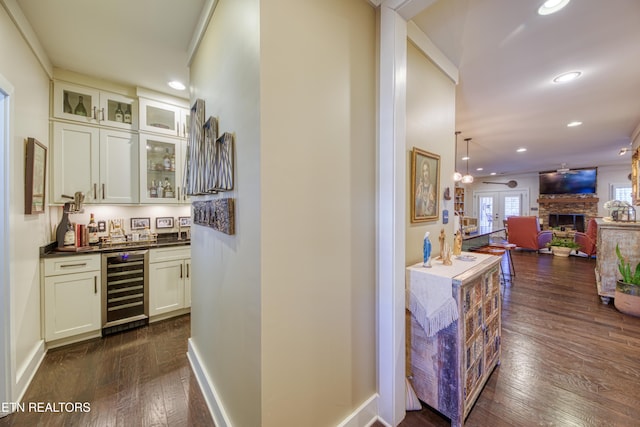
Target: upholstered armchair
(525,233)
(588,239)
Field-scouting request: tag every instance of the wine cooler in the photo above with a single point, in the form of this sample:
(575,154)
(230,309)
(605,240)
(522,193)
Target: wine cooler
(125,297)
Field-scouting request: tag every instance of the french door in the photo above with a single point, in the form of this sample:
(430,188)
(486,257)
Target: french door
(493,207)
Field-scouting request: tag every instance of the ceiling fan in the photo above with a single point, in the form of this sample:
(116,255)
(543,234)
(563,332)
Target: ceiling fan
(564,170)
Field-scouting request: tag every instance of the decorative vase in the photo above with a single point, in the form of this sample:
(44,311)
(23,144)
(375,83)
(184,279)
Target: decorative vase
(627,298)
(561,251)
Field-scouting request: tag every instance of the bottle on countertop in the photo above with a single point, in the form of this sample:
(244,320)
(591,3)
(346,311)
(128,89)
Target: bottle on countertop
(127,114)
(119,115)
(80,110)
(70,235)
(92,229)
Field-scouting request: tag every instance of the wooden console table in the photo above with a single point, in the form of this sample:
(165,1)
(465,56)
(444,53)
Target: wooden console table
(449,368)
(610,233)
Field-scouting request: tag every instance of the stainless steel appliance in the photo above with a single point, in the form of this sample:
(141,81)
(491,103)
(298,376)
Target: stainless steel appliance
(125,285)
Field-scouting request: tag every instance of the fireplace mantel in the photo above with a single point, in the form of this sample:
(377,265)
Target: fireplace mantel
(565,200)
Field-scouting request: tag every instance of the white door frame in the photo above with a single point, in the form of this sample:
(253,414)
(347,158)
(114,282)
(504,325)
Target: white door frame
(391,204)
(7,359)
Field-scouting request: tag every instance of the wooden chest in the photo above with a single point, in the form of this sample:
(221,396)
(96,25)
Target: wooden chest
(449,369)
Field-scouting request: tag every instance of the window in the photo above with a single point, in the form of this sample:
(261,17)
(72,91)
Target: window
(621,192)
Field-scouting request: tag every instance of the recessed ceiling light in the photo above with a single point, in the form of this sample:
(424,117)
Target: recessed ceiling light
(465,158)
(176,85)
(574,124)
(521,150)
(479,169)
(567,77)
(552,6)
(493,173)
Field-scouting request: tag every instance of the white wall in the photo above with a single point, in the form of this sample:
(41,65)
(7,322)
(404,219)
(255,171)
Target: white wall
(283,318)
(431,127)
(27,232)
(318,212)
(226,283)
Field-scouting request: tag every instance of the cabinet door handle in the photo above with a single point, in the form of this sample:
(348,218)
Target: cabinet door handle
(102,191)
(188,270)
(181,271)
(95,114)
(84,264)
(102,114)
(178,192)
(95,284)
(95,191)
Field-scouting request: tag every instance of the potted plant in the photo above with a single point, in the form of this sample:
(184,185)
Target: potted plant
(562,246)
(627,295)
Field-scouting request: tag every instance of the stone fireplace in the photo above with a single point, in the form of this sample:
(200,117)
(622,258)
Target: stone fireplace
(568,210)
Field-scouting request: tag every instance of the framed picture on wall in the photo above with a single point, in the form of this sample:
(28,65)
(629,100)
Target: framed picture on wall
(164,222)
(184,221)
(425,186)
(35,177)
(140,223)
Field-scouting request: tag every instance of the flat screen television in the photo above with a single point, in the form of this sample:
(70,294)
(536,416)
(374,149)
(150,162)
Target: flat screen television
(576,181)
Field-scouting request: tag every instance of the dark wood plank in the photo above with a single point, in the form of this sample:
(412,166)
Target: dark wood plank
(133,378)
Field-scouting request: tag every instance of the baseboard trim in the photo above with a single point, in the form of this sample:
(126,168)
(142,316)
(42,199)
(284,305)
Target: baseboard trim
(365,415)
(209,392)
(27,371)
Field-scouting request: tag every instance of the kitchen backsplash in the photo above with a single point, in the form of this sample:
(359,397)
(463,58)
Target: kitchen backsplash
(107,212)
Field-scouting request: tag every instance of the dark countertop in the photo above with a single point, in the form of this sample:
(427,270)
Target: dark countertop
(168,239)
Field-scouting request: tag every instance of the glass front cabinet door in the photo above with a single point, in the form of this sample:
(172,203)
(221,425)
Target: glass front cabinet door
(160,117)
(88,105)
(161,174)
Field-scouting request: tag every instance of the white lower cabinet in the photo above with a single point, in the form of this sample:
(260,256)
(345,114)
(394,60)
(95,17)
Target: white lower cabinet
(169,280)
(71,296)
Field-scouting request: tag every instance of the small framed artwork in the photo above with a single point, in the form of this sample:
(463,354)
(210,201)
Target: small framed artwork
(184,221)
(164,222)
(35,175)
(140,223)
(425,185)
(102,226)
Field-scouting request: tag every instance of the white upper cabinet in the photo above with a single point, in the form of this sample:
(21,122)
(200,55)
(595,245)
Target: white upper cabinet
(163,118)
(88,105)
(101,163)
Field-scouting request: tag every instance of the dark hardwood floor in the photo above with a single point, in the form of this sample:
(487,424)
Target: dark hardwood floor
(135,378)
(567,359)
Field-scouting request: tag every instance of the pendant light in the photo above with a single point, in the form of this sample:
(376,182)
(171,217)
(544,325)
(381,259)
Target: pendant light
(467,179)
(457,176)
